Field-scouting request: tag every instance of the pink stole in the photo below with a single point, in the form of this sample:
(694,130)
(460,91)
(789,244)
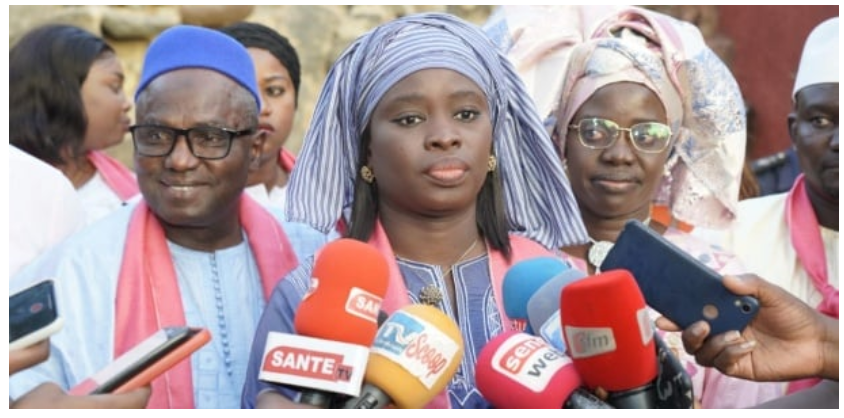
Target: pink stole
(148,296)
(806,240)
(115,174)
(286,160)
(522,248)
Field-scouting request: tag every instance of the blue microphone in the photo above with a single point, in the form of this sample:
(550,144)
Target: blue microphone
(523,280)
(544,308)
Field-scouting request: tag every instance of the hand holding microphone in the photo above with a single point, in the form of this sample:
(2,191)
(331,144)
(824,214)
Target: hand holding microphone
(415,354)
(336,323)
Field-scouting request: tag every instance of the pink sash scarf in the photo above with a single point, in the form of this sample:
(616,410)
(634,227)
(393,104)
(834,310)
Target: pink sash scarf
(115,174)
(148,296)
(806,239)
(396,297)
(286,160)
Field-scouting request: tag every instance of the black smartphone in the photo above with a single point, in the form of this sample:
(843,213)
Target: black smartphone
(677,285)
(33,316)
(147,360)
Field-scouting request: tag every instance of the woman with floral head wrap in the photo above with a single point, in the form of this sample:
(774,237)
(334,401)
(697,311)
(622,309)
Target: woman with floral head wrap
(643,114)
(425,143)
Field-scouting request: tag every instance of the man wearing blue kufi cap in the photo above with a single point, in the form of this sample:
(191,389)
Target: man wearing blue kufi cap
(195,251)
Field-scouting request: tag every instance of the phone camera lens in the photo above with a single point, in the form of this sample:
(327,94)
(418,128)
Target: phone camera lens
(746,308)
(710,312)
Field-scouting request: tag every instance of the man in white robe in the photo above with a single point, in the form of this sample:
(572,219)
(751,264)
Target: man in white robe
(791,239)
(195,251)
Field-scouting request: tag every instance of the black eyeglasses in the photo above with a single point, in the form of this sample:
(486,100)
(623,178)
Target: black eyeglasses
(206,142)
(647,137)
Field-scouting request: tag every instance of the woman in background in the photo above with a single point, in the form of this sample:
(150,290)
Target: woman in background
(67,89)
(643,114)
(278,73)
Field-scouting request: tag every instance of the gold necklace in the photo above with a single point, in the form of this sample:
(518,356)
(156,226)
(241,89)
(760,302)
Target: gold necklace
(599,249)
(432,294)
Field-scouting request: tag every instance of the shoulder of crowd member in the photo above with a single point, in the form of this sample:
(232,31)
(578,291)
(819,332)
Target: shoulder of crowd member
(305,239)
(104,238)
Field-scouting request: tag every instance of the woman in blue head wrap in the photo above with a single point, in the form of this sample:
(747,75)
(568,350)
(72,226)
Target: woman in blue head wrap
(424,145)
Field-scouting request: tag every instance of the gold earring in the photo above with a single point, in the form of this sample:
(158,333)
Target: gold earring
(492,163)
(366,174)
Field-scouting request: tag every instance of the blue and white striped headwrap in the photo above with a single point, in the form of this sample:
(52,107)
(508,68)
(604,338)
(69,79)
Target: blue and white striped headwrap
(537,194)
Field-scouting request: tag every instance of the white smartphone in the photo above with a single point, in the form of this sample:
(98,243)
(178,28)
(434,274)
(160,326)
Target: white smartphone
(33,316)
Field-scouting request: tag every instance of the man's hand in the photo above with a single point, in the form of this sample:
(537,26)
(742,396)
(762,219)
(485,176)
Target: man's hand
(27,357)
(50,395)
(787,339)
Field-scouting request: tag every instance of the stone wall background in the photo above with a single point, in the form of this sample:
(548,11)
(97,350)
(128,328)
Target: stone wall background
(319,34)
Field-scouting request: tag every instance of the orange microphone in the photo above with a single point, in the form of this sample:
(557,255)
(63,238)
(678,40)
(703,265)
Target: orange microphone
(335,324)
(348,282)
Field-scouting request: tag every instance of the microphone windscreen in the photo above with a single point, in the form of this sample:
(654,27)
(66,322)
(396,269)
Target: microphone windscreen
(608,331)
(519,371)
(544,306)
(348,283)
(415,354)
(523,280)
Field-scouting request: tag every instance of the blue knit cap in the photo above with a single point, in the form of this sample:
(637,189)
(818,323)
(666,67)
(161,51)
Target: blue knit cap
(196,47)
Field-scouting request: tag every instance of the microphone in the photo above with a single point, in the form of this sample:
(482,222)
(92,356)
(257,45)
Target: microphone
(674,386)
(415,354)
(544,309)
(520,371)
(523,280)
(610,337)
(382,317)
(335,324)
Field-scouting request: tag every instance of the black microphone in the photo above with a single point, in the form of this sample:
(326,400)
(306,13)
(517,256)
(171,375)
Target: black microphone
(674,388)
(382,317)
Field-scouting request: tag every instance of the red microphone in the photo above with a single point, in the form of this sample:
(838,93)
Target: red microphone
(520,371)
(609,336)
(335,324)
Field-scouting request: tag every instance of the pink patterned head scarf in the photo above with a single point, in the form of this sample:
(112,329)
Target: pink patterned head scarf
(572,51)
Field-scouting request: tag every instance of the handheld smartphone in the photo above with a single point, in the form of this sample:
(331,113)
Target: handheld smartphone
(677,285)
(32,315)
(144,362)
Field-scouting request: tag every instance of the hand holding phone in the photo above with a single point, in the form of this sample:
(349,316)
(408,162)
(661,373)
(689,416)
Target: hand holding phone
(676,284)
(33,316)
(24,358)
(144,362)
